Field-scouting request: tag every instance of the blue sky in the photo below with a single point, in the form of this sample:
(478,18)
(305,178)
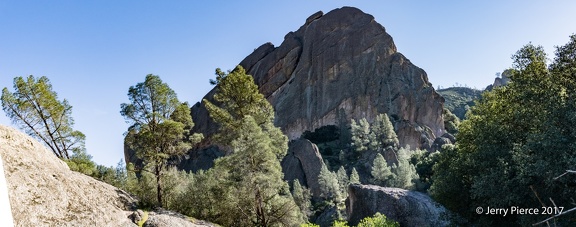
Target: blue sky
(93,51)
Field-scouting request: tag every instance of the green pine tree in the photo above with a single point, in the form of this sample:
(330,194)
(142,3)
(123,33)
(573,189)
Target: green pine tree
(255,149)
(35,108)
(354,177)
(160,126)
(381,172)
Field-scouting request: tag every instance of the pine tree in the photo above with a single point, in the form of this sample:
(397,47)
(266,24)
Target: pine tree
(237,96)
(360,134)
(35,108)
(381,172)
(329,187)
(383,134)
(302,197)
(160,125)
(404,174)
(343,181)
(354,177)
(374,137)
(256,147)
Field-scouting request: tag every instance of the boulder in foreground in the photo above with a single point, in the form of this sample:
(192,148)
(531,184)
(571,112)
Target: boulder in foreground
(409,208)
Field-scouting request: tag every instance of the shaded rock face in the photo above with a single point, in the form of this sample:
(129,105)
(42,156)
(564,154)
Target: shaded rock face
(341,66)
(503,81)
(43,191)
(303,162)
(447,138)
(409,208)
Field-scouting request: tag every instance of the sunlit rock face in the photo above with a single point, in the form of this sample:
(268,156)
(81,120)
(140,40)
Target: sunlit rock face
(336,67)
(45,192)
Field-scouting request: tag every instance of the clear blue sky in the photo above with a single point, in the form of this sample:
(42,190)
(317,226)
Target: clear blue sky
(93,51)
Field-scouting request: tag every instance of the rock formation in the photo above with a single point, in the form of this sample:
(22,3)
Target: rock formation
(43,191)
(303,162)
(447,138)
(503,80)
(336,67)
(409,208)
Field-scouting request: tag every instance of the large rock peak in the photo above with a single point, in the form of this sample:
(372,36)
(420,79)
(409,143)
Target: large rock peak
(340,66)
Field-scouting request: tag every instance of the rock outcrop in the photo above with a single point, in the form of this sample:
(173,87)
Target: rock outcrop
(336,67)
(503,80)
(447,138)
(165,218)
(409,208)
(43,191)
(303,162)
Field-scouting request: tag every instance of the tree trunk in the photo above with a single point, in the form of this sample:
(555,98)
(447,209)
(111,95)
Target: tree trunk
(158,185)
(260,213)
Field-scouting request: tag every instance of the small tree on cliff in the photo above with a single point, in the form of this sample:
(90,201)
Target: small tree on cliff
(35,108)
(256,148)
(160,125)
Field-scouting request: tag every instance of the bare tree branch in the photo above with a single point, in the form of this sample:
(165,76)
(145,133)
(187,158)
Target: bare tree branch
(555,216)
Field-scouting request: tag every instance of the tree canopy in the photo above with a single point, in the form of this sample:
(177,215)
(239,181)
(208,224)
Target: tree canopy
(160,125)
(35,108)
(515,142)
(256,147)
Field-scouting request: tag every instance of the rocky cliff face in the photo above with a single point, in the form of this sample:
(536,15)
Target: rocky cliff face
(409,208)
(303,162)
(336,67)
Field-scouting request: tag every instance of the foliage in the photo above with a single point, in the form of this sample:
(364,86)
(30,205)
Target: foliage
(517,139)
(203,196)
(160,126)
(143,220)
(329,187)
(237,96)
(451,121)
(309,225)
(378,220)
(360,134)
(82,162)
(458,100)
(381,172)
(252,167)
(380,135)
(302,196)
(143,187)
(254,171)
(404,174)
(354,177)
(424,162)
(343,181)
(382,132)
(340,223)
(35,108)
